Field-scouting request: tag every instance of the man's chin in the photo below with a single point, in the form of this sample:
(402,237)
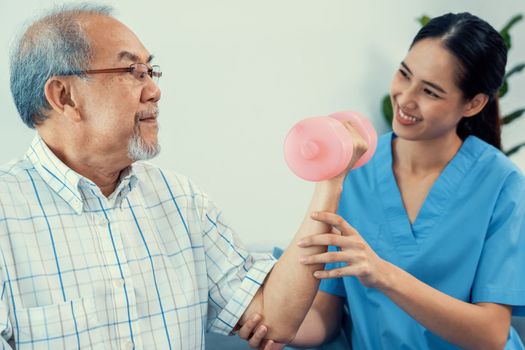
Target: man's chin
(139,149)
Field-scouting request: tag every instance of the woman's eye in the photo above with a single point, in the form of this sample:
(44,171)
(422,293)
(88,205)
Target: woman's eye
(403,73)
(431,93)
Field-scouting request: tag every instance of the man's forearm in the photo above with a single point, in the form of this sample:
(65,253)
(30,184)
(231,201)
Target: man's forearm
(289,290)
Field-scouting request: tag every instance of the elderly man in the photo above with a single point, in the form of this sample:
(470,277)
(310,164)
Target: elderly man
(100,250)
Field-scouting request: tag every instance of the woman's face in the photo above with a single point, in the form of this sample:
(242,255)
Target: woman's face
(426,101)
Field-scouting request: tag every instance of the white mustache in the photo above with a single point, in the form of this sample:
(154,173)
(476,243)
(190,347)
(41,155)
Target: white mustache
(148,113)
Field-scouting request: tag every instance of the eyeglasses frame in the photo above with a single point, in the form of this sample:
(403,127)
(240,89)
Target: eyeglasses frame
(152,74)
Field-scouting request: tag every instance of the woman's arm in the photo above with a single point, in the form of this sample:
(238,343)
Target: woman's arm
(470,326)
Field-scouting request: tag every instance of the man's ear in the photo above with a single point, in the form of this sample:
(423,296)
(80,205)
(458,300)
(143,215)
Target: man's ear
(59,96)
(475,105)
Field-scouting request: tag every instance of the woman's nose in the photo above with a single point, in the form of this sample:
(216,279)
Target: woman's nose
(406,100)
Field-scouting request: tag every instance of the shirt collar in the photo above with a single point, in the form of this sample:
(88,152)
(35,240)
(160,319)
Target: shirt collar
(67,183)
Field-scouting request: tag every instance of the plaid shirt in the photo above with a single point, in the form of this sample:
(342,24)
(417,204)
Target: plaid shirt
(153,266)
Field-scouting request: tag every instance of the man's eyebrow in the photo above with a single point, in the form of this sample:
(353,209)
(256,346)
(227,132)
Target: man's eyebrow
(132,57)
(429,83)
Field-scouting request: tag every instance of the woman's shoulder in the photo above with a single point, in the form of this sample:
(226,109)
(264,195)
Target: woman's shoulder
(494,172)
(491,160)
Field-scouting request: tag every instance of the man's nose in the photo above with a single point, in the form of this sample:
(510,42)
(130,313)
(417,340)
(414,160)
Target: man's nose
(151,91)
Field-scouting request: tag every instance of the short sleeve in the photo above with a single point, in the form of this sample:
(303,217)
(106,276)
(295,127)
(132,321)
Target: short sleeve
(333,286)
(234,274)
(500,276)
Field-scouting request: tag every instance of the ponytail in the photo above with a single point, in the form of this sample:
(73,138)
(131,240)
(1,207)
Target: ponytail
(485,125)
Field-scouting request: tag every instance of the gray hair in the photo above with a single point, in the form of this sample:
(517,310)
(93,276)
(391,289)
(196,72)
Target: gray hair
(138,149)
(55,44)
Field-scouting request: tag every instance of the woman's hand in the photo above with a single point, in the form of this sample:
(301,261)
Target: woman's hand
(254,332)
(361,261)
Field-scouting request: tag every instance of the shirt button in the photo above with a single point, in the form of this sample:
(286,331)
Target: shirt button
(118,284)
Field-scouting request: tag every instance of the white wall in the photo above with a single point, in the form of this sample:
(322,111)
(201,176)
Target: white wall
(239,73)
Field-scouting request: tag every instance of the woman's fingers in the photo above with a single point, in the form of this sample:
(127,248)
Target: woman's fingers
(357,270)
(332,239)
(336,221)
(349,256)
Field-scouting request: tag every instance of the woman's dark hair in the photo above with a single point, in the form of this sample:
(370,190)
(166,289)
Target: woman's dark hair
(482,56)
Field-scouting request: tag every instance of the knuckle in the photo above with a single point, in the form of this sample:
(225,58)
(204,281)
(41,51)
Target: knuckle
(331,240)
(361,256)
(331,256)
(365,270)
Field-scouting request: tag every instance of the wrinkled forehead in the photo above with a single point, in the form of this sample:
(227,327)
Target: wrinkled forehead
(112,42)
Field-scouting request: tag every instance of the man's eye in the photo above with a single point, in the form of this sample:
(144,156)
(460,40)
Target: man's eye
(403,73)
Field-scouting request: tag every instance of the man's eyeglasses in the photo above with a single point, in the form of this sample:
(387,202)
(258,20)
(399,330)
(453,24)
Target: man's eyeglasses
(138,70)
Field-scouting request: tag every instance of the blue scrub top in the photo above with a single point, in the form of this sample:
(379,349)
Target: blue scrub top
(467,241)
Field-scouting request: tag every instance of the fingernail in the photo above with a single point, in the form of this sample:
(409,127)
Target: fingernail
(317,274)
(314,214)
(300,243)
(302,259)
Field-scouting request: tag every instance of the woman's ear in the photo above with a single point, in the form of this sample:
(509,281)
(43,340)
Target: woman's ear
(475,105)
(58,93)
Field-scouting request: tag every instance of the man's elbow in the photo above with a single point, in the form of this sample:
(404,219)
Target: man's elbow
(494,340)
(493,344)
(500,340)
(281,332)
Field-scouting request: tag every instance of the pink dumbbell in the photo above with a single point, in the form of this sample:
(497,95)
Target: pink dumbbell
(320,148)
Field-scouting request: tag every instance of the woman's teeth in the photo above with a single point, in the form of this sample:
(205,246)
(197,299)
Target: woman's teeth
(407,117)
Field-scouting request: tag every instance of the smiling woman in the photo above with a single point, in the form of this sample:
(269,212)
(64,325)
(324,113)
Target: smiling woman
(425,94)
(416,266)
(445,105)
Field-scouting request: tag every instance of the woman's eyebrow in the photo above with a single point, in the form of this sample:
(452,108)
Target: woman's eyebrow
(429,83)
